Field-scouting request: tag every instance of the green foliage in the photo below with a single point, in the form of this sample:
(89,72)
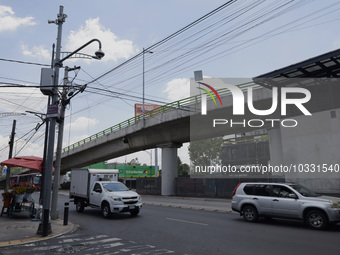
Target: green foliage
(65,185)
(183,169)
(206,152)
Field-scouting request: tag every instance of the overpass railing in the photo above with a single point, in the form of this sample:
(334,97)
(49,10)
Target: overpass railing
(180,104)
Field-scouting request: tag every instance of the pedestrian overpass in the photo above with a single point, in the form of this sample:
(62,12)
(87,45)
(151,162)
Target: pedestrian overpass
(168,126)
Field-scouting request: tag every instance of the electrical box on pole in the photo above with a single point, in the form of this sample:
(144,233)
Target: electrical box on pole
(46,81)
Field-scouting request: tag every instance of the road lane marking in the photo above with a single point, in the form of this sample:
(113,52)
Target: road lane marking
(185,221)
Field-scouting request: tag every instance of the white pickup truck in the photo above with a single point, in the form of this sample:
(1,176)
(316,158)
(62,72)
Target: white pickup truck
(100,189)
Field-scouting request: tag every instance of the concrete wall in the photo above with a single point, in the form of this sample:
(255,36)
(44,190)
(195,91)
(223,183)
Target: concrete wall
(197,187)
(149,185)
(316,140)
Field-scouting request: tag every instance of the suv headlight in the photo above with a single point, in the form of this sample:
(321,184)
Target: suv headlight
(140,198)
(116,199)
(335,204)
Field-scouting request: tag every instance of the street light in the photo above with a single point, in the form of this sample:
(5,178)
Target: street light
(45,227)
(99,54)
(150,153)
(144,51)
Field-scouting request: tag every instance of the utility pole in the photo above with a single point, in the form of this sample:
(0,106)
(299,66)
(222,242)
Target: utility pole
(156,162)
(52,114)
(11,143)
(56,182)
(45,226)
(47,121)
(144,51)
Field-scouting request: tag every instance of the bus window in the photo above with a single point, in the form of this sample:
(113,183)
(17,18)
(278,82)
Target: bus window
(37,180)
(13,182)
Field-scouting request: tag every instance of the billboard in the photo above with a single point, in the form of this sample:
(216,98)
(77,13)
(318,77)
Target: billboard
(147,108)
(129,171)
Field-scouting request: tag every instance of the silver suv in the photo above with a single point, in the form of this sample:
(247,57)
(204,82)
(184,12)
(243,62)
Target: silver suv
(285,200)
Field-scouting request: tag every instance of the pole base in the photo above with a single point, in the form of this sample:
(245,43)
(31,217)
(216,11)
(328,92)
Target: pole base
(40,229)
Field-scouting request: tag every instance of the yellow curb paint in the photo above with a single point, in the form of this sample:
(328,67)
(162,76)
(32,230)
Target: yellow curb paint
(15,242)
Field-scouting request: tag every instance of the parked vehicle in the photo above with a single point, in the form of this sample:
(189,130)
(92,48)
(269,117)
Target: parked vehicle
(285,200)
(100,189)
(25,180)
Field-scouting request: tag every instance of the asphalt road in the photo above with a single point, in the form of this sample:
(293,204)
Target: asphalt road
(188,231)
(168,230)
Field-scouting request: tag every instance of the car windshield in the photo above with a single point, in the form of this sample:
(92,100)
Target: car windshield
(304,191)
(118,186)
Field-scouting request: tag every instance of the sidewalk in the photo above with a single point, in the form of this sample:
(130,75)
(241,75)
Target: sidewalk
(21,229)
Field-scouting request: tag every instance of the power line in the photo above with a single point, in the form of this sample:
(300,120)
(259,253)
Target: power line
(22,62)
(6,114)
(119,95)
(167,38)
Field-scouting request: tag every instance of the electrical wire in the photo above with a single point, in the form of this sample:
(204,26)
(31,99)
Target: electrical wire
(22,62)
(215,35)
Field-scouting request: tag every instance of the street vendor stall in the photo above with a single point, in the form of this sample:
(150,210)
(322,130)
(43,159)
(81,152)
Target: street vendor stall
(17,201)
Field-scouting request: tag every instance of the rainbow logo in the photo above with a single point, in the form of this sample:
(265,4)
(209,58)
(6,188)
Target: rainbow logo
(204,98)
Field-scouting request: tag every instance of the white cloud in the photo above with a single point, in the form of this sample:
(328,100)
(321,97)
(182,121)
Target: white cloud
(21,99)
(36,51)
(73,139)
(113,47)
(9,22)
(336,44)
(81,124)
(26,149)
(177,89)
(183,153)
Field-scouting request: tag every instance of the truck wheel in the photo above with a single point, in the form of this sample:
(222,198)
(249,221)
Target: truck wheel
(134,212)
(250,213)
(316,220)
(80,205)
(106,210)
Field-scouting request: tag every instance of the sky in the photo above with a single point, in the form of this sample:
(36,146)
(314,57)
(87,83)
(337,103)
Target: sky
(220,49)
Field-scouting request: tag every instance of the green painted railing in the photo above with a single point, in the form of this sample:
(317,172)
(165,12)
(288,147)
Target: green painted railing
(180,104)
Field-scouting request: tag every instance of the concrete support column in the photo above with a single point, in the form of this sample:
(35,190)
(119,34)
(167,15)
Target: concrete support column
(275,146)
(169,168)
(169,171)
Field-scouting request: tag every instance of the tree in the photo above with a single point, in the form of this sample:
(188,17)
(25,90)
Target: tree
(183,169)
(206,152)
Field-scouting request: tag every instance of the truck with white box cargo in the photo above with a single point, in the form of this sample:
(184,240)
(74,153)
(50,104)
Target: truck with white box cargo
(100,188)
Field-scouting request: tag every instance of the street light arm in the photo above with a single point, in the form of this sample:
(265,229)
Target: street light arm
(80,48)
